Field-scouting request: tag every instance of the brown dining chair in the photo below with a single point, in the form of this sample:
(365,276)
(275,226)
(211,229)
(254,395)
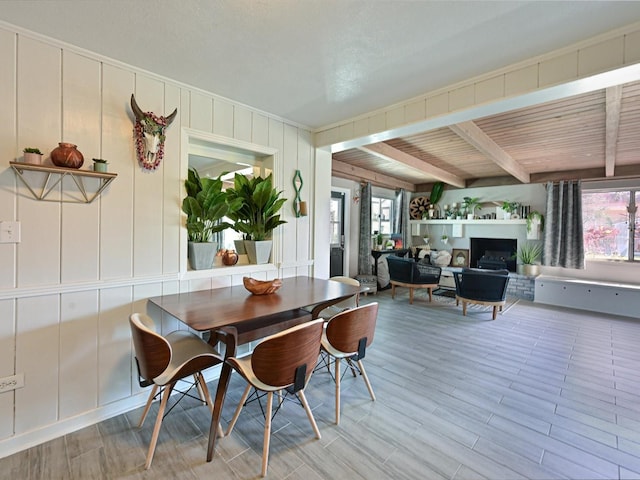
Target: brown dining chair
(348,335)
(163,361)
(280,362)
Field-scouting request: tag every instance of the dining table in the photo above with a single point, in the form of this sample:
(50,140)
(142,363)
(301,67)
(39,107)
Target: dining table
(234,316)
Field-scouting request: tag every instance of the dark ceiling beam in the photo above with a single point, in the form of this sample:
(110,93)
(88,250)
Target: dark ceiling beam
(473,135)
(388,152)
(350,172)
(613,107)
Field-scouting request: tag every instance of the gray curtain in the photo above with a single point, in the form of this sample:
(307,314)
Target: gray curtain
(401,216)
(364,243)
(563,240)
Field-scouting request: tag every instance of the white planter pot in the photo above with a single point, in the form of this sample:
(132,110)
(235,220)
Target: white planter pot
(469,216)
(239,244)
(33,158)
(201,255)
(258,251)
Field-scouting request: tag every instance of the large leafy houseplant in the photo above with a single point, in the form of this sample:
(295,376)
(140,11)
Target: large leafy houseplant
(206,205)
(258,216)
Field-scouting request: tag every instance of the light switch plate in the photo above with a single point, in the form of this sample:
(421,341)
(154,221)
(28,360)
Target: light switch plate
(9,232)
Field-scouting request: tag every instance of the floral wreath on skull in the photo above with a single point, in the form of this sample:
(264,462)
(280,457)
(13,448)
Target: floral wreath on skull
(152,125)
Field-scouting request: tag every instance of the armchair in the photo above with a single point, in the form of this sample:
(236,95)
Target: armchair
(406,272)
(482,287)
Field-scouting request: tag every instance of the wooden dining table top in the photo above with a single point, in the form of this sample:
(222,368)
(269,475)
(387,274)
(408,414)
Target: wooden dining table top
(227,306)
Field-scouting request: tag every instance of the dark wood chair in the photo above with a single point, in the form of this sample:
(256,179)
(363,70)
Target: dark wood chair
(280,362)
(482,287)
(348,335)
(406,272)
(163,361)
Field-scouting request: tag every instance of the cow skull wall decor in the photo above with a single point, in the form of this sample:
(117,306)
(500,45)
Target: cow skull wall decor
(149,135)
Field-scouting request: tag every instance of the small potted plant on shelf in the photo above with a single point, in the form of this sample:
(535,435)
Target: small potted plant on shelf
(99,165)
(529,253)
(471,204)
(32,155)
(509,209)
(535,224)
(444,238)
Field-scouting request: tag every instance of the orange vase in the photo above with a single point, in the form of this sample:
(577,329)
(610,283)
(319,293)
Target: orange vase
(230,257)
(67,155)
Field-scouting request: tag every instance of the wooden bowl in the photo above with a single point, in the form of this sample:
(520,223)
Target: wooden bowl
(261,287)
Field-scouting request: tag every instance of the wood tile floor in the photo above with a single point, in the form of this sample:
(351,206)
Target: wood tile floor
(540,393)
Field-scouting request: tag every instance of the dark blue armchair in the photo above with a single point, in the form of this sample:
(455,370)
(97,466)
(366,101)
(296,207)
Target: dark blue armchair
(483,287)
(406,272)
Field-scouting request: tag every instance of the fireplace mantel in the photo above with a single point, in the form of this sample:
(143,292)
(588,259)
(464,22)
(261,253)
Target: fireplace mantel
(468,222)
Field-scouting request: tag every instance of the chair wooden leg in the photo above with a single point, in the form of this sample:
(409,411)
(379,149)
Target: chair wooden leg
(208,400)
(154,390)
(337,374)
(156,430)
(366,380)
(238,409)
(464,308)
(312,420)
(430,294)
(410,296)
(267,434)
(495,311)
(196,379)
(393,291)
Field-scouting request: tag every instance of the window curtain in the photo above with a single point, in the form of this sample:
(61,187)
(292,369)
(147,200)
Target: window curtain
(401,216)
(364,243)
(563,240)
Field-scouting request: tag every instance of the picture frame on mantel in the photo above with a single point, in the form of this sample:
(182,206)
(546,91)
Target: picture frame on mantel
(459,257)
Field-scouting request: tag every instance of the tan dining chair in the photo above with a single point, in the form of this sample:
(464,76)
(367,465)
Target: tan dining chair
(350,302)
(348,335)
(280,362)
(163,361)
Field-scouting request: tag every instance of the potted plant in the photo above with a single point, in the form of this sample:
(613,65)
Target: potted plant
(99,165)
(205,205)
(471,204)
(535,224)
(258,215)
(32,155)
(509,208)
(529,253)
(444,238)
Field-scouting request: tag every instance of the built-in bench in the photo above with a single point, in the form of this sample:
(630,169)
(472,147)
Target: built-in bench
(605,297)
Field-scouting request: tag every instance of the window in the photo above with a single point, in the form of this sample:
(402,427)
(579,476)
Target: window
(610,224)
(381,215)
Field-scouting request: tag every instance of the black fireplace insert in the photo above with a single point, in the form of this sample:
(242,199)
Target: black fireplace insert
(493,253)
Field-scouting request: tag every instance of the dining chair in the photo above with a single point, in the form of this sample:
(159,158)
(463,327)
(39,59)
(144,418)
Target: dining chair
(348,335)
(162,361)
(350,302)
(281,362)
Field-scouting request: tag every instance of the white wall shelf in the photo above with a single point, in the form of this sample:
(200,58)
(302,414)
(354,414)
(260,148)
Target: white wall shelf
(54,176)
(468,222)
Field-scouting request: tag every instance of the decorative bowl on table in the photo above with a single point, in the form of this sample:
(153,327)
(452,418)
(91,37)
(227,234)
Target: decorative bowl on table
(261,287)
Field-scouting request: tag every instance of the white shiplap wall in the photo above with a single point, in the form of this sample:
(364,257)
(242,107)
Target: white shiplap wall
(67,289)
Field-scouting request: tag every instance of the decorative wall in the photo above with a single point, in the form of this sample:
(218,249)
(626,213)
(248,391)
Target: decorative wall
(67,289)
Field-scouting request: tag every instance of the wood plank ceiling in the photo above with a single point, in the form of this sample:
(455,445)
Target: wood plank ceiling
(588,136)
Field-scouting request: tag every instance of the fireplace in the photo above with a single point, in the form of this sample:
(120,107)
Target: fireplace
(493,253)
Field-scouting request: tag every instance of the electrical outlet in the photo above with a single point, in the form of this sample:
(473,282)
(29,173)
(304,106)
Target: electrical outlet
(11,383)
(9,232)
